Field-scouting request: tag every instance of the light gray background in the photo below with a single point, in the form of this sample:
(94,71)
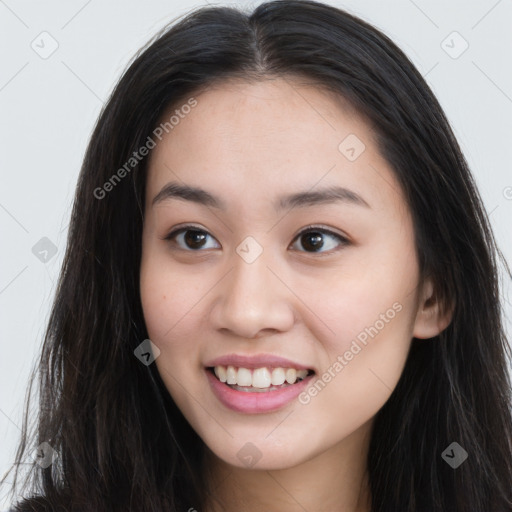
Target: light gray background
(49,107)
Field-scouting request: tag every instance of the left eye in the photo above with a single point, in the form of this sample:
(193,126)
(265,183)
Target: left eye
(315,239)
(194,239)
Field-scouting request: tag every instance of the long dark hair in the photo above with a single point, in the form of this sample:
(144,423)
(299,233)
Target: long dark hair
(122,443)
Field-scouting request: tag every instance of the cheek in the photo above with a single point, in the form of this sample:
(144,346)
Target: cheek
(364,304)
(168,297)
(370,308)
(170,320)
(171,303)
(157,304)
(358,378)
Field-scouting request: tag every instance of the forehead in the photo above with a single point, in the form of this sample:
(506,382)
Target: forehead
(270,137)
(264,115)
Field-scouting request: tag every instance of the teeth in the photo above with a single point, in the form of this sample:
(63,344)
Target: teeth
(259,377)
(220,371)
(278,376)
(244,377)
(232,375)
(291,375)
(302,374)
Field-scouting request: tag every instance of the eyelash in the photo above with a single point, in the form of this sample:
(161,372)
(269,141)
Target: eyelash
(308,229)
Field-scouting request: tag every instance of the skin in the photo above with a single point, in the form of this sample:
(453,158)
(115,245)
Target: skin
(249,144)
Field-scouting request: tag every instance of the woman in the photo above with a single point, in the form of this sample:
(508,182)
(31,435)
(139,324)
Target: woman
(205,352)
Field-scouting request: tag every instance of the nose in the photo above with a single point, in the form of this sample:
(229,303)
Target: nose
(253,300)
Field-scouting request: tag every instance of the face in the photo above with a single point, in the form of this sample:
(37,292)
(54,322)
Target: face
(267,272)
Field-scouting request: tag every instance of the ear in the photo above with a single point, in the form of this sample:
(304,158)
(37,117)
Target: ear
(430,319)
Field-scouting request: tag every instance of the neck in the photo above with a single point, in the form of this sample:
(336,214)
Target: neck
(335,480)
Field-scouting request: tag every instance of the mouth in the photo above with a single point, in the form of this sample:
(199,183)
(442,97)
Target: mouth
(257,390)
(258,380)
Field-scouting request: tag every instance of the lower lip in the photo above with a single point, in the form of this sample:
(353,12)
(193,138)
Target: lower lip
(252,403)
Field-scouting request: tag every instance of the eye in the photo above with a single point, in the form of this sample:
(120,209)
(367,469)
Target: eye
(193,238)
(314,239)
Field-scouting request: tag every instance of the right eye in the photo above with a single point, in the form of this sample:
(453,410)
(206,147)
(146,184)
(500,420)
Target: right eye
(189,238)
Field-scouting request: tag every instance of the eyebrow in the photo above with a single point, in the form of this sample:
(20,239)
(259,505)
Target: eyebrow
(330,195)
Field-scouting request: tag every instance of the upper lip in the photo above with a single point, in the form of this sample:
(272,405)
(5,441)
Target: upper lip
(256,361)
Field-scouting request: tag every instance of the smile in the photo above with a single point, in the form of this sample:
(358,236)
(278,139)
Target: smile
(257,390)
(258,379)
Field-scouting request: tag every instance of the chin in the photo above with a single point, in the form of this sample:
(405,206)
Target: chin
(256,453)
